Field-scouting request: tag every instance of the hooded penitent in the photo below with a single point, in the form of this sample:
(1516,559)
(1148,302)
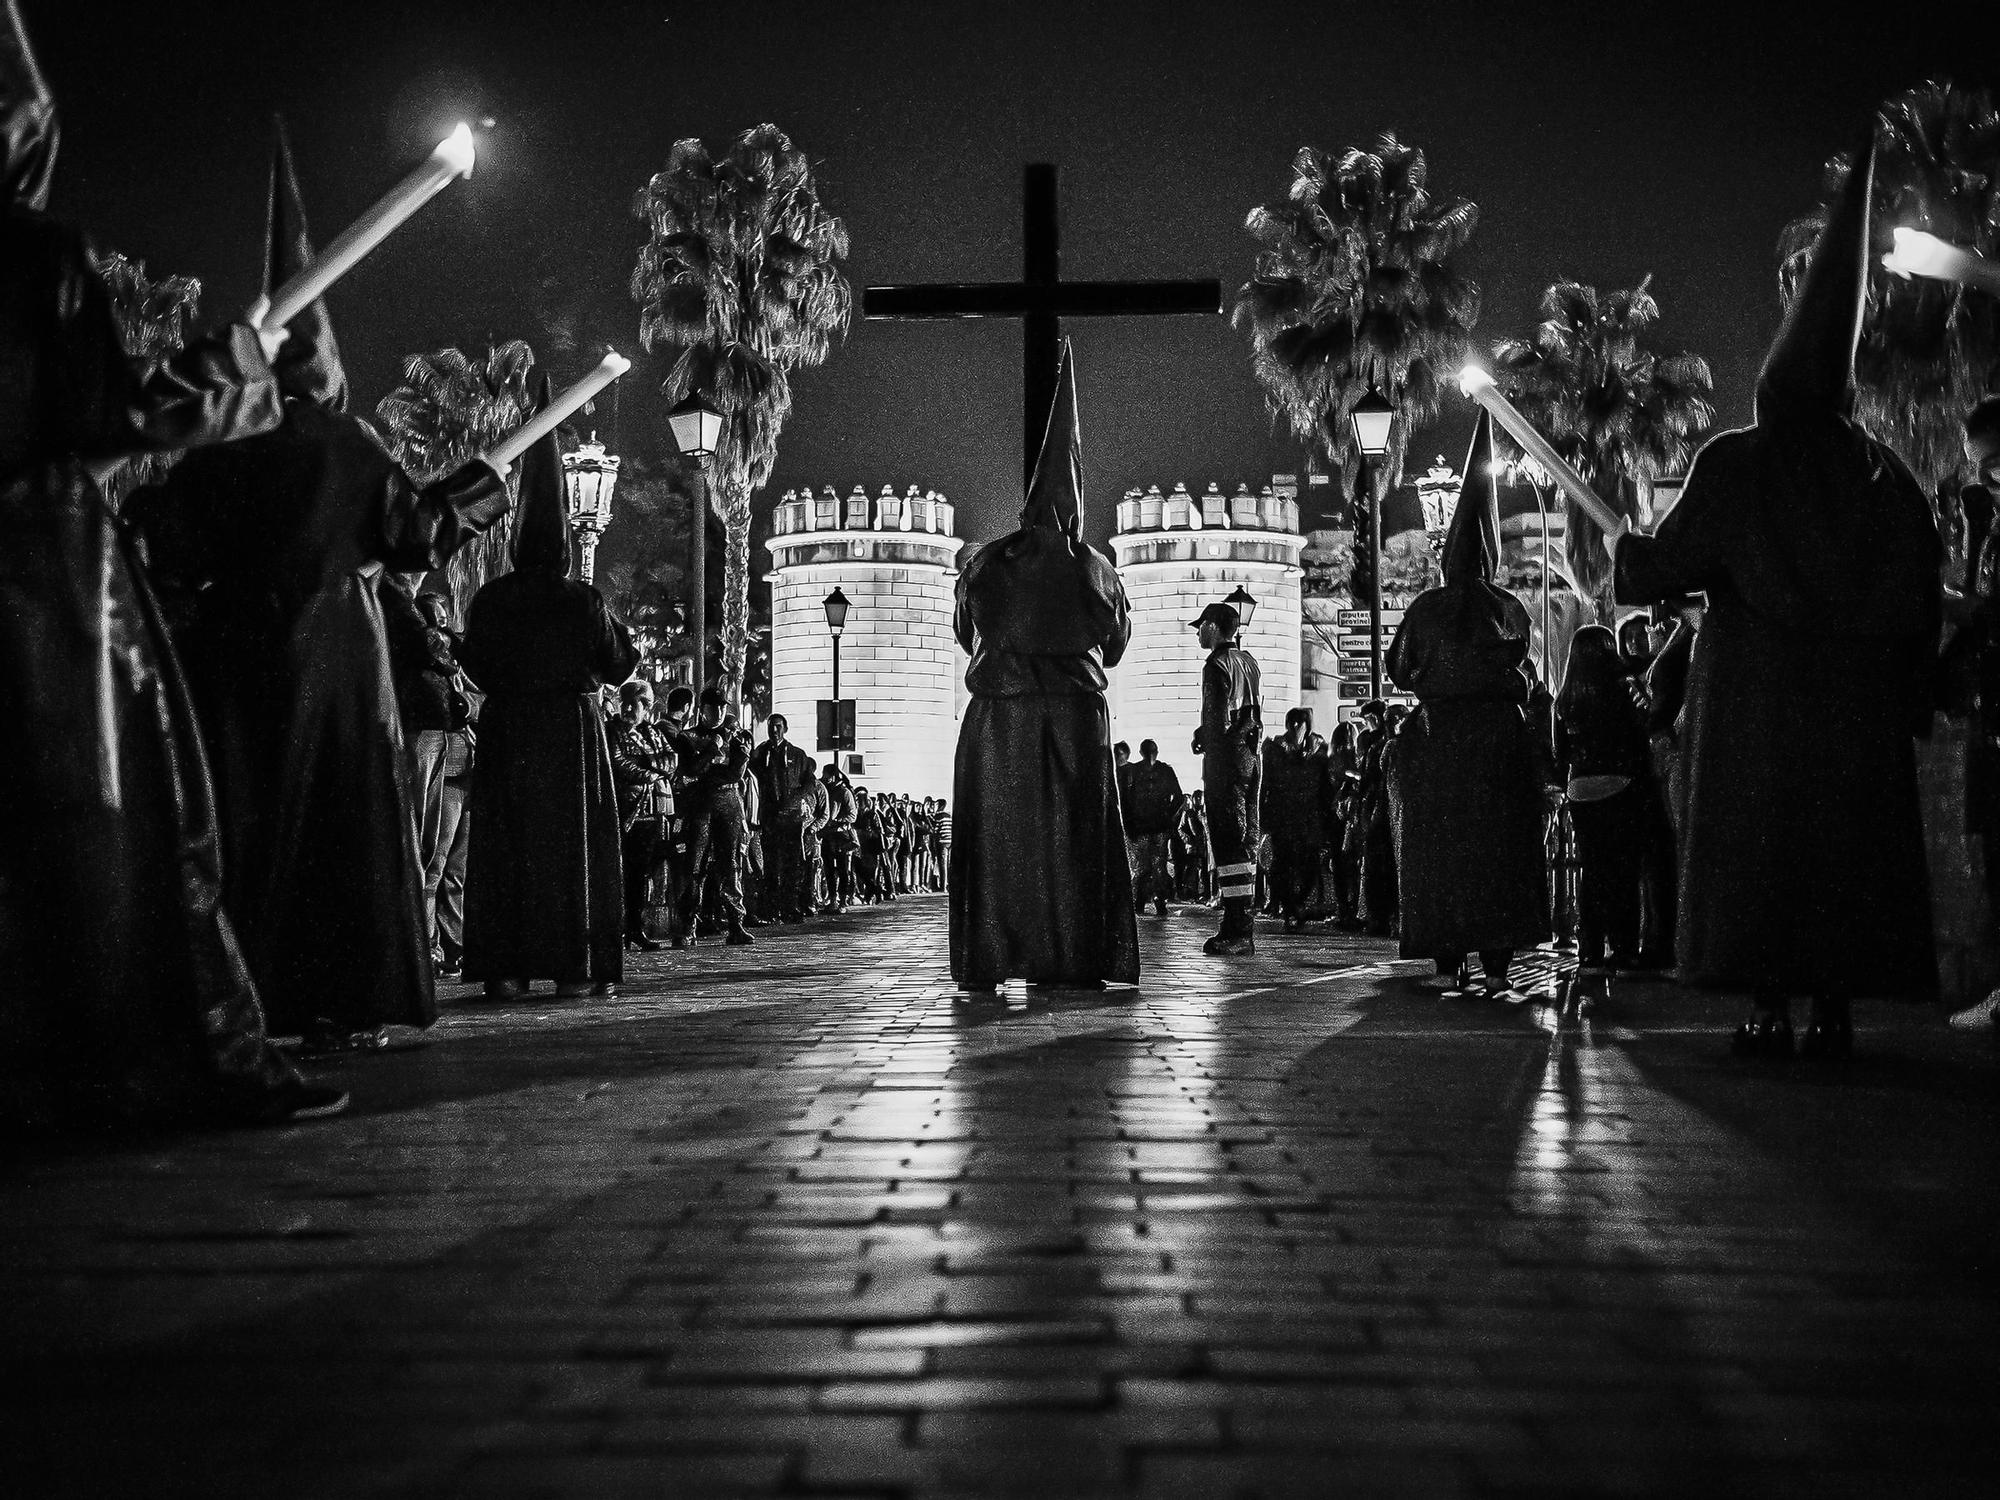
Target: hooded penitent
(1042,590)
(1822,551)
(127,995)
(1472,544)
(28,128)
(308,367)
(1040,888)
(541,518)
(1803,866)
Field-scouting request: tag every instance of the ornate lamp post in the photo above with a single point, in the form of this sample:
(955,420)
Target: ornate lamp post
(697,429)
(835,605)
(1372,418)
(589,476)
(1244,605)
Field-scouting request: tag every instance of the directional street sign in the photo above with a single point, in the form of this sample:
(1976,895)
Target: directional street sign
(1357,619)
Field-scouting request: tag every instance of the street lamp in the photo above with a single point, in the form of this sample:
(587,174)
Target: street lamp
(1372,418)
(1243,604)
(835,604)
(589,476)
(697,429)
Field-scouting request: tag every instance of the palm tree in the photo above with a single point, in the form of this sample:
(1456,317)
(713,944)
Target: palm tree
(1929,349)
(1354,286)
(153,319)
(1616,409)
(741,274)
(450,409)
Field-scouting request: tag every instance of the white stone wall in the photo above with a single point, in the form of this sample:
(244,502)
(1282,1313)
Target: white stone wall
(1156,690)
(898,662)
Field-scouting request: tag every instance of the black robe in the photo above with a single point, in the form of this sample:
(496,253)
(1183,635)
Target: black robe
(278,548)
(1802,865)
(1040,888)
(1467,777)
(544,894)
(125,994)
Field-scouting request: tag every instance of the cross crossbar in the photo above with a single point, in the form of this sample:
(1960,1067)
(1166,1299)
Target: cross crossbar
(1040,299)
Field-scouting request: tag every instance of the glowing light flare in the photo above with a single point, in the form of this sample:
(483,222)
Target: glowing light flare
(452,160)
(1920,254)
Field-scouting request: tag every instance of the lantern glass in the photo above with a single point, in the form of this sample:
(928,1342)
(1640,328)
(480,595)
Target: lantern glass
(1244,605)
(697,427)
(1372,418)
(835,605)
(589,475)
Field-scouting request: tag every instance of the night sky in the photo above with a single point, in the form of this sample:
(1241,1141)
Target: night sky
(1600,141)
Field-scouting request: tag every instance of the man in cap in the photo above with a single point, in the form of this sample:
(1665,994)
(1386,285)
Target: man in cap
(1230,744)
(1039,887)
(1802,863)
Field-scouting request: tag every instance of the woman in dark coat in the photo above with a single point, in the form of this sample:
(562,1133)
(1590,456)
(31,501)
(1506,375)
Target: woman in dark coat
(544,894)
(1602,756)
(1803,868)
(1467,776)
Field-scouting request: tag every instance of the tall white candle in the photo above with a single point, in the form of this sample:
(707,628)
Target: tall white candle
(1921,254)
(1480,386)
(452,159)
(539,426)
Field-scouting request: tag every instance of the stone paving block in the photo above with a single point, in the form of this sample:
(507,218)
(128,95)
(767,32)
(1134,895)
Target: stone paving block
(797,1223)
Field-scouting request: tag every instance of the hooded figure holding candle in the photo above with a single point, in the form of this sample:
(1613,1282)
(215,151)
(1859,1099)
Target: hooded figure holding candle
(280,549)
(1802,864)
(1469,770)
(126,995)
(544,881)
(1039,888)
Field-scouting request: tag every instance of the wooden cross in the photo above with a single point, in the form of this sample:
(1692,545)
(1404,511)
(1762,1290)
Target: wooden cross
(1041,299)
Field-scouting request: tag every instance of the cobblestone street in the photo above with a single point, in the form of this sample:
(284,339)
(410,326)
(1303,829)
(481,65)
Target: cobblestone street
(792,1220)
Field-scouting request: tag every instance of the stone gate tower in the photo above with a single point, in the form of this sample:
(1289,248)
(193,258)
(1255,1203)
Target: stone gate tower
(894,557)
(1176,554)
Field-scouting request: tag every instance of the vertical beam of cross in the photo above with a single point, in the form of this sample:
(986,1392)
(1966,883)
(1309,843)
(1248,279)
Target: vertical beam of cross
(1041,300)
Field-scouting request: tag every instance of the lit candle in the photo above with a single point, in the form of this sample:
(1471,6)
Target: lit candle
(452,159)
(1921,254)
(539,426)
(1480,386)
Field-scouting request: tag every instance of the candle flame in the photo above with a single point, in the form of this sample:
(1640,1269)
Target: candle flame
(456,150)
(615,362)
(1472,379)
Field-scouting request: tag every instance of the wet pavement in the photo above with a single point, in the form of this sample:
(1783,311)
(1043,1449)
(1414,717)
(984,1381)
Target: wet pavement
(797,1220)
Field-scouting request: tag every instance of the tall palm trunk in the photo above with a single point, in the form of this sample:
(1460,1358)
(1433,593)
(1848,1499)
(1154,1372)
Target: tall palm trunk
(735,498)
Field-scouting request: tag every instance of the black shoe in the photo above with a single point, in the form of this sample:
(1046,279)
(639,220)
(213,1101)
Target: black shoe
(1223,947)
(738,938)
(684,941)
(1159,908)
(644,944)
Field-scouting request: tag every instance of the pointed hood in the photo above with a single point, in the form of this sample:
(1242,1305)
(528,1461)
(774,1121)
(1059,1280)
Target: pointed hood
(541,517)
(1055,497)
(28,128)
(1472,544)
(308,367)
(1811,363)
